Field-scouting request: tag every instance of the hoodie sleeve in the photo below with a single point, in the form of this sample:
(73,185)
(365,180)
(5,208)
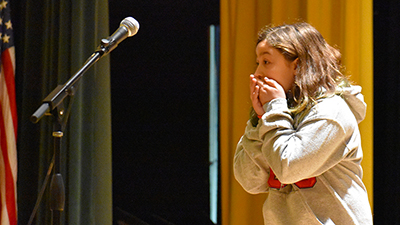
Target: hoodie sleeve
(251,169)
(295,150)
(318,142)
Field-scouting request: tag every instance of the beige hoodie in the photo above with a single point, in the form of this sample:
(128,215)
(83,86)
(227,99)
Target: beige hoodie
(324,147)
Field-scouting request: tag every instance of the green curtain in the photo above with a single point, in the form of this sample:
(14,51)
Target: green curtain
(53,40)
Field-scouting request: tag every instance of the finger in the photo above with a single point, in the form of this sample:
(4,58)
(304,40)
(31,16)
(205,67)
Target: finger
(253,83)
(251,80)
(263,85)
(271,82)
(256,101)
(254,94)
(264,90)
(274,88)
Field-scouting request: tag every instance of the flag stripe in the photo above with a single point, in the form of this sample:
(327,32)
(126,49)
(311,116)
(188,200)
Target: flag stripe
(8,70)
(9,180)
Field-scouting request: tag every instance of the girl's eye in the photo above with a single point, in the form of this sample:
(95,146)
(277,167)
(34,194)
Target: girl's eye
(264,62)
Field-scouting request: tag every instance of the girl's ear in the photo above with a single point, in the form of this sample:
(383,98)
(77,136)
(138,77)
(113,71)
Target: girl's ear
(295,64)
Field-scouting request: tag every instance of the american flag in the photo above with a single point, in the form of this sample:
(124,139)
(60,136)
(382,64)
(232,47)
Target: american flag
(8,120)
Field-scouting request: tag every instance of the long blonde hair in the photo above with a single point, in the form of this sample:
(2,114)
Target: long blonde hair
(319,68)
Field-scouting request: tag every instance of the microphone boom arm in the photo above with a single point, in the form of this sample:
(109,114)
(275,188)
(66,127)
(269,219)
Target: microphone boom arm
(57,96)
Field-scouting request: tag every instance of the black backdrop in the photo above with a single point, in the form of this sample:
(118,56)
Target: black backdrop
(160,111)
(386,112)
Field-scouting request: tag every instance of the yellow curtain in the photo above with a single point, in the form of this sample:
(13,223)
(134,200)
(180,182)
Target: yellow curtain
(344,24)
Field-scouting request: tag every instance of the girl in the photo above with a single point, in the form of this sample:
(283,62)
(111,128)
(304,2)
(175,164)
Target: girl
(302,143)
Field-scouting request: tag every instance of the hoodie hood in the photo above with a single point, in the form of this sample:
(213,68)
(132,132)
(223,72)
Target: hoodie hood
(353,97)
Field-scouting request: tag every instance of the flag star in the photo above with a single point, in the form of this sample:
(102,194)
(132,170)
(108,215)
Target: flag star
(6,38)
(3,4)
(1,21)
(8,24)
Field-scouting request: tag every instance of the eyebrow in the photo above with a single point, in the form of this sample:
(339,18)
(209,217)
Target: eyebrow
(265,53)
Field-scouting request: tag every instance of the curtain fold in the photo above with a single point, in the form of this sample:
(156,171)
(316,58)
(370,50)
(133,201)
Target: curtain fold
(54,39)
(344,24)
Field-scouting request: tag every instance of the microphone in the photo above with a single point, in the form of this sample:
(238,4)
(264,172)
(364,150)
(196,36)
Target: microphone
(128,27)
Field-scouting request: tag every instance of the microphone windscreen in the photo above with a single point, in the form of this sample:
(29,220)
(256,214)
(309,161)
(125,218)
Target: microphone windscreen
(131,24)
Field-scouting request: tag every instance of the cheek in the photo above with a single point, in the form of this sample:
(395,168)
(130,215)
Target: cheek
(287,80)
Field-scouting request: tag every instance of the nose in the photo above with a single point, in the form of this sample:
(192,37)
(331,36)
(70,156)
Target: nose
(258,73)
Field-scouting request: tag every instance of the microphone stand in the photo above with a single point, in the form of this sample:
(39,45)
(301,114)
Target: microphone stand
(57,189)
(53,106)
